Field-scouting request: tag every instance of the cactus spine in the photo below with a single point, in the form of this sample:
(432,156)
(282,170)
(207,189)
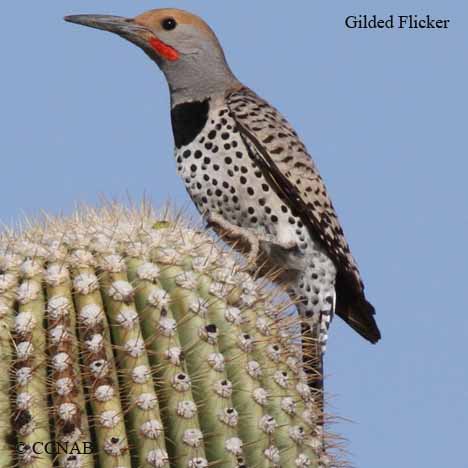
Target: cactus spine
(148,340)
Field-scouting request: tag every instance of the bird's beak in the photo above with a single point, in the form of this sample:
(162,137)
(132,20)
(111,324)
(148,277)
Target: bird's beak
(132,31)
(125,27)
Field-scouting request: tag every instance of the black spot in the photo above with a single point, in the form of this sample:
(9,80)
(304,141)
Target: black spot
(274,219)
(193,168)
(22,418)
(68,427)
(206,160)
(250,191)
(243,180)
(188,120)
(225,136)
(198,154)
(186,154)
(208,145)
(265,187)
(211,328)
(228,160)
(239,154)
(212,135)
(10,438)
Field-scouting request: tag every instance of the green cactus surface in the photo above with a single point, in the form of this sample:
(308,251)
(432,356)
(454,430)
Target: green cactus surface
(143,338)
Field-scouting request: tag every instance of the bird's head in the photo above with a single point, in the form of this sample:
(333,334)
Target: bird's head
(182,44)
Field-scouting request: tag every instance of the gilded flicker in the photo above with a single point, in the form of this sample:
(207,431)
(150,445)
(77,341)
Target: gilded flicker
(248,172)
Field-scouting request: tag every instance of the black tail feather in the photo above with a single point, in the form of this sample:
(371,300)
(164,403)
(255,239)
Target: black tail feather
(353,307)
(359,315)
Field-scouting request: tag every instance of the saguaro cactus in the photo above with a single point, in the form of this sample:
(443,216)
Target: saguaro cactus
(148,342)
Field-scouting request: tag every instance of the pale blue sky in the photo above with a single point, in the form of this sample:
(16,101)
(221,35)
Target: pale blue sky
(384,113)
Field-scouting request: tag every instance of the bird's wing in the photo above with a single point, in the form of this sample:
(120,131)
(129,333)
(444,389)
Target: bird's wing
(285,162)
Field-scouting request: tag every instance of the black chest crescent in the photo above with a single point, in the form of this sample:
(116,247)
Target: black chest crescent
(188,120)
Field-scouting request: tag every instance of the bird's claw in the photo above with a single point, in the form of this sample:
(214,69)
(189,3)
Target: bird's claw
(235,232)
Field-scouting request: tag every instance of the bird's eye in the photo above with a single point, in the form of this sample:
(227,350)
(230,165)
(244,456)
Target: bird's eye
(169,24)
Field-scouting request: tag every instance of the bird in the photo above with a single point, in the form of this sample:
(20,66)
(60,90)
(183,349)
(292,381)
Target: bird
(250,175)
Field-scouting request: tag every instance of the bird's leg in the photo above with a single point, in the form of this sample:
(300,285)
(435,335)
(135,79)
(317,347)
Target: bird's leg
(256,246)
(233,232)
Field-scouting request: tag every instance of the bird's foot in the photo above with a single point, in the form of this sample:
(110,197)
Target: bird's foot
(237,234)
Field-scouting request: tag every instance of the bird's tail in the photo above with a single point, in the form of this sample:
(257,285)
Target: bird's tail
(359,314)
(353,307)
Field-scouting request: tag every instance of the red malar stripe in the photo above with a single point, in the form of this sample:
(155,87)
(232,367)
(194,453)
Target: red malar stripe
(164,50)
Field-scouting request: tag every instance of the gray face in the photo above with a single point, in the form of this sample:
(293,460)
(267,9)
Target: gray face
(184,48)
